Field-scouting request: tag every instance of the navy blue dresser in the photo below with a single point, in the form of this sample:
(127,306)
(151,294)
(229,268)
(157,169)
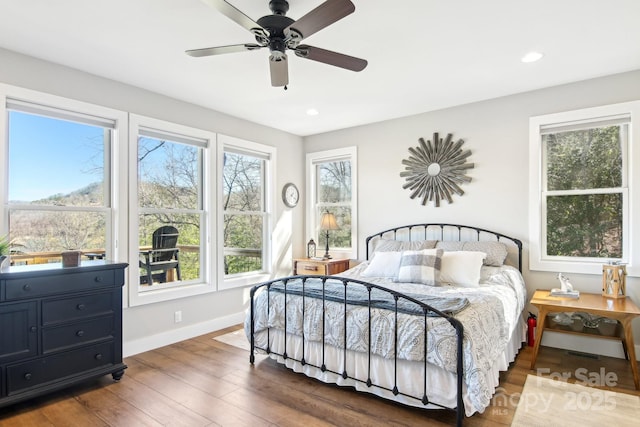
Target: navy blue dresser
(59,326)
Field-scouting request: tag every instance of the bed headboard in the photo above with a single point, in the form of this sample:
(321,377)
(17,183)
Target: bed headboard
(449,232)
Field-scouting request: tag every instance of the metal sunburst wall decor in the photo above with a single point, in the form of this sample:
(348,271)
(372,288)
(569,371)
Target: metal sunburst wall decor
(434,171)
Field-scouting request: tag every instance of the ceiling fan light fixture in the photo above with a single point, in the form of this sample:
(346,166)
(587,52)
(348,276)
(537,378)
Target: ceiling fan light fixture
(278,32)
(276,55)
(532,57)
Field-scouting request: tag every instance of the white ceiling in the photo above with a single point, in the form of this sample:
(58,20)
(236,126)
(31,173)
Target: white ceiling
(423,54)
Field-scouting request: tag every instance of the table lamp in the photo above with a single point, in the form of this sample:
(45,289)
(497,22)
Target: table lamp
(328,222)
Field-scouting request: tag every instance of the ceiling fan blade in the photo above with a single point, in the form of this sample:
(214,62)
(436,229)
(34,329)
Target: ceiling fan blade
(279,68)
(209,51)
(332,58)
(322,16)
(234,14)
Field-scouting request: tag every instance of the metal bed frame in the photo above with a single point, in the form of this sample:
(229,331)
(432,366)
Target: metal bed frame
(446,232)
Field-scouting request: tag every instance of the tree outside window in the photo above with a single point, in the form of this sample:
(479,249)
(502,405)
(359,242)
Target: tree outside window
(585,191)
(170,193)
(58,184)
(244,212)
(334,195)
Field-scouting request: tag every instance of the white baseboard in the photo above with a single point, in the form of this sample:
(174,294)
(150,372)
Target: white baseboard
(593,345)
(129,348)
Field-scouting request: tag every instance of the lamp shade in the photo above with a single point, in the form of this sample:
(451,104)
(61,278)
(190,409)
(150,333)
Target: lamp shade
(328,222)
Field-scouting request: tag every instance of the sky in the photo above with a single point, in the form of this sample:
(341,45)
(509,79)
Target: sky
(51,156)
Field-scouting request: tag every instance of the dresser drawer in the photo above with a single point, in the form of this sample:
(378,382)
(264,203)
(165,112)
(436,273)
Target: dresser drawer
(75,308)
(23,376)
(53,284)
(309,268)
(67,336)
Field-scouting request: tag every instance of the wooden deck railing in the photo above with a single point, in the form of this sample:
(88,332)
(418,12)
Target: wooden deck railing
(99,253)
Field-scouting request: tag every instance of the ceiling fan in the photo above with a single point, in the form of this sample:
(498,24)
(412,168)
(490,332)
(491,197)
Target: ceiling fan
(279,33)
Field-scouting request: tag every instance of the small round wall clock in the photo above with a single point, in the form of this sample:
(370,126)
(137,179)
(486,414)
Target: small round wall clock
(290,195)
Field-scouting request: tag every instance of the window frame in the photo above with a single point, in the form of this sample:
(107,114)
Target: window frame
(207,267)
(269,153)
(312,221)
(115,207)
(538,260)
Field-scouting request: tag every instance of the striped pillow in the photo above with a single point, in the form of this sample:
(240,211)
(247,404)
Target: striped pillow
(421,266)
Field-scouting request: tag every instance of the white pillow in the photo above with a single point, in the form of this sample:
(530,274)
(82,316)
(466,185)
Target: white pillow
(383,264)
(461,268)
(496,251)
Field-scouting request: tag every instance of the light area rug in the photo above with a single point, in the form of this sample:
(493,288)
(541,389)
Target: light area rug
(550,403)
(236,339)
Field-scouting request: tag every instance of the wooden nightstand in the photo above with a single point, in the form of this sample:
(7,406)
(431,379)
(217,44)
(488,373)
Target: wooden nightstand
(306,266)
(623,310)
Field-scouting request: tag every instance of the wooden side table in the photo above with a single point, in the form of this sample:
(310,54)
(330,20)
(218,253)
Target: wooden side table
(307,266)
(621,309)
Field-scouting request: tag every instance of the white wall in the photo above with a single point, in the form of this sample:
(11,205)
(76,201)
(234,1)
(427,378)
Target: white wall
(497,132)
(153,325)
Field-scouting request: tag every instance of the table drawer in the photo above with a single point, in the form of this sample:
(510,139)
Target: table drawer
(23,376)
(67,336)
(40,286)
(76,308)
(308,268)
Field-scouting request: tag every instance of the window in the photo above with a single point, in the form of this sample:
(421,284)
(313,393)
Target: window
(171,195)
(332,188)
(83,177)
(59,181)
(246,209)
(582,189)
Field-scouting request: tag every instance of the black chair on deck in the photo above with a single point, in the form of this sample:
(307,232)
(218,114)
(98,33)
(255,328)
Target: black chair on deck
(163,256)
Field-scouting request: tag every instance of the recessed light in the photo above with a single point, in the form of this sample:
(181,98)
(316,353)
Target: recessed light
(312,112)
(532,57)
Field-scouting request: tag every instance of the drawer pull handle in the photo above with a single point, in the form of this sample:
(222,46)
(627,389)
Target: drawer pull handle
(98,356)
(309,268)
(98,279)
(27,376)
(80,306)
(80,333)
(27,287)
(33,329)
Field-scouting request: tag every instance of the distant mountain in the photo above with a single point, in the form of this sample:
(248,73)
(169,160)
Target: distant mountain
(90,195)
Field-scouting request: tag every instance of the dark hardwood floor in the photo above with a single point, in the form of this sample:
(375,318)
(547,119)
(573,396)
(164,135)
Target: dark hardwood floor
(202,382)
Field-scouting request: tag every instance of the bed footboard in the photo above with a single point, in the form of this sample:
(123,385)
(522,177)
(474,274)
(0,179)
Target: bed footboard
(394,301)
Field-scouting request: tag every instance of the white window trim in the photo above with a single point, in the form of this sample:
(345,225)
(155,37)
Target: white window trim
(350,153)
(119,181)
(185,289)
(247,279)
(631,206)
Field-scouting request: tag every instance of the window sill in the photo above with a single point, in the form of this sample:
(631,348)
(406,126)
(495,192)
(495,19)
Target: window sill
(160,294)
(243,280)
(594,267)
